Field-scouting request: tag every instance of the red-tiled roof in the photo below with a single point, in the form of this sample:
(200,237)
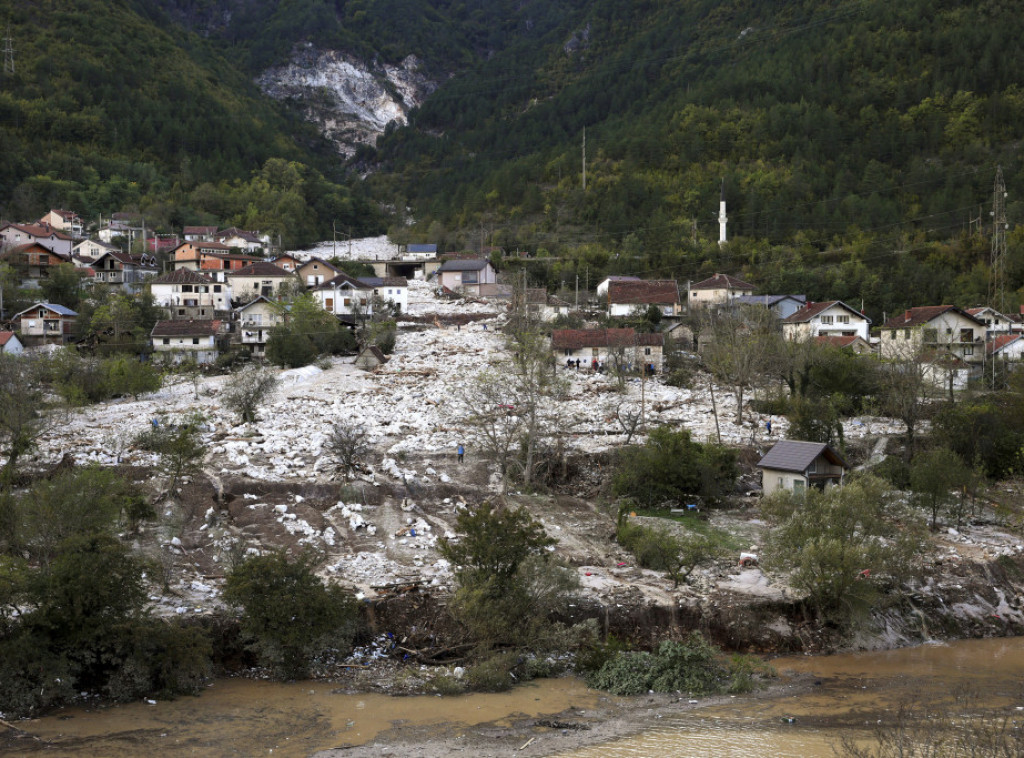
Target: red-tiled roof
(921,315)
(200,230)
(261,268)
(5,337)
(186,328)
(662,292)
(722,281)
(576,339)
(838,341)
(997,343)
(38,230)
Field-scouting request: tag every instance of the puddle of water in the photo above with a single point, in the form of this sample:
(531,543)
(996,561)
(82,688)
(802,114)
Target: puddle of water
(240,717)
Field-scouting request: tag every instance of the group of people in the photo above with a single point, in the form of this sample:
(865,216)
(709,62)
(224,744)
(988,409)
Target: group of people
(598,366)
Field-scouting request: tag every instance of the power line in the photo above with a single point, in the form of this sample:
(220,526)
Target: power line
(997,275)
(8,52)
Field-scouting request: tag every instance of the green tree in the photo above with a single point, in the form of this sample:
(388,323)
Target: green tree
(844,547)
(670,466)
(937,478)
(62,286)
(288,616)
(507,582)
(180,447)
(22,411)
(127,375)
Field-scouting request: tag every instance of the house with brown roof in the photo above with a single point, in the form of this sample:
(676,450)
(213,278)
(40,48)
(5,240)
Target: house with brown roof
(32,261)
(853,343)
(370,357)
(627,297)
(262,278)
(795,466)
(240,239)
(187,294)
(932,329)
(344,296)
(212,258)
(117,270)
(994,321)
(13,235)
(315,272)
(288,262)
(200,233)
(88,251)
(597,347)
(178,341)
(466,275)
(831,318)
(601,290)
(718,290)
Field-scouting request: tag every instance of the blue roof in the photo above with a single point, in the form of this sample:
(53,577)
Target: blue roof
(768,300)
(422,248)
(58,309)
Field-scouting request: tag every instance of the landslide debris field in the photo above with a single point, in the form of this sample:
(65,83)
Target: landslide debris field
(274,484)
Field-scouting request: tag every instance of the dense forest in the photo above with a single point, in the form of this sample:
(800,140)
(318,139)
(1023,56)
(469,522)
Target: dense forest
(857,141)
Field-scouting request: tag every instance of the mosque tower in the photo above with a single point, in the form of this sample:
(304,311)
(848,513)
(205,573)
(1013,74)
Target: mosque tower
(722,219)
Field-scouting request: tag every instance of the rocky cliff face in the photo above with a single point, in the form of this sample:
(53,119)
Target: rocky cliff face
(351,101)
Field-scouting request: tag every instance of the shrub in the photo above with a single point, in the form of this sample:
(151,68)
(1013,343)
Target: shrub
(493,674)
(692,666)
(288,616)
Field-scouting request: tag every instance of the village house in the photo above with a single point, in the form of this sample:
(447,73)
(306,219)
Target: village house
(200,233)
(389,289)
(718,290)
(932,329)
(10,344)
(1005,347)
(345,296)
(602,287)
(832,318)
(628,297)
(795,466)
(188,294)
(32,261)
(240,239)
(783,306)
(544,307)
(45,323)
(212,258)
(254,320)
(421,252)
(287,261)
(315,272)
(607,347)
(125,225)
(87,251)
(68,222)
(257,279)
(994,321)
(466,276)
(179,341)
(13,235)
(117,270)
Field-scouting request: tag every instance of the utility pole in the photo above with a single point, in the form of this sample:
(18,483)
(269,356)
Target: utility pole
(584,159)
(8,51)
(334,228)
(577,292)
(997,280)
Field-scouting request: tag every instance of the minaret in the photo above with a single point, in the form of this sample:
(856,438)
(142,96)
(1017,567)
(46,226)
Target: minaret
(721,216)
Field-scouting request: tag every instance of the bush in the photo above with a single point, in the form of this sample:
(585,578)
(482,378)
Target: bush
(493,674)
(657,549)
(288,616)
(692,666)
(671,467)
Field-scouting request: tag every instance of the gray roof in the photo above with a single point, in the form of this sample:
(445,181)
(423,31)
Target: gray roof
(464,265)
(59,309)
(790,455)
(414,248)
(768,300)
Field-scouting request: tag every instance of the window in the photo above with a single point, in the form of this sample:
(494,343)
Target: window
(842,319)
(906,334)
(798,485)
(167,340)
(195,340)
(567,351)
(647,351)
(969,350)
(967,335)
(826,319)
(186,288)
(216,288)
(931,335)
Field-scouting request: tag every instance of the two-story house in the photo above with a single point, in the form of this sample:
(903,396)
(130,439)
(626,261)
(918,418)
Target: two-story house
(117,270)
(45,323)
(178,341)
(783,306)
(186,294)
(32,261)
(466,275)
(994,321)
(212,258)
(831,318)
(345,296)
(68,222)
(254,320)
(718,290)
(87,251)
(932,329)
(257,279)
(389,289)
(13,235)
(200,233)
(316,271)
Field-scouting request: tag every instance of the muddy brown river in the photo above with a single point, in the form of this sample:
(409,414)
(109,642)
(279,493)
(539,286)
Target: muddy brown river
(836,695)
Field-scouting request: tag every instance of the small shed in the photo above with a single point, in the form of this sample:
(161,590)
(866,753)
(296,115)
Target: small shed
(370,357)
(793,465)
